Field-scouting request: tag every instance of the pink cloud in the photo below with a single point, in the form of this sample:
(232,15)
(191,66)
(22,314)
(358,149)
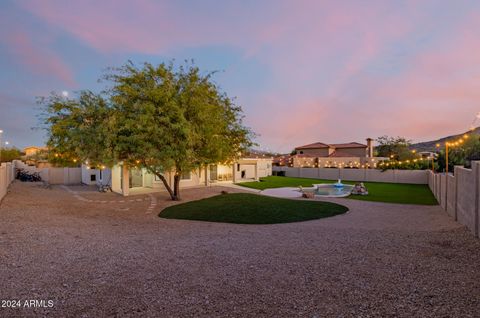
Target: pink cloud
(40,60)
(319,54)
(144,26)
(438,93)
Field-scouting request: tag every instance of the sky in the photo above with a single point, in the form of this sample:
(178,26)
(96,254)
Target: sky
(303,71)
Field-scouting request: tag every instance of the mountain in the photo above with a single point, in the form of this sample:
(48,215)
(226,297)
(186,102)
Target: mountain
(431,145)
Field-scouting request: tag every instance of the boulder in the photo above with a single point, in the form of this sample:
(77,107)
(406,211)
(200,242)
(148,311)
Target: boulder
(359,189)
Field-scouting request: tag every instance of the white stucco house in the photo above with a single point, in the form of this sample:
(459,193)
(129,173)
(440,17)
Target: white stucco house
(127,181)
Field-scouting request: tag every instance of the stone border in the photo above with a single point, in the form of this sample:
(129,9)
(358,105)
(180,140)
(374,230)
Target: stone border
(153,203)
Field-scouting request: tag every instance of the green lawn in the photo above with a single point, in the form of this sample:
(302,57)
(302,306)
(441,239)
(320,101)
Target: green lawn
(246,208)
(378,191)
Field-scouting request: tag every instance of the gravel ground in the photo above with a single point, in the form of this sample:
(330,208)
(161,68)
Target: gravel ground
(120,260)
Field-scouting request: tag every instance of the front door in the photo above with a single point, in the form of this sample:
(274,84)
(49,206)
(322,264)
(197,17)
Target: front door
(136,178)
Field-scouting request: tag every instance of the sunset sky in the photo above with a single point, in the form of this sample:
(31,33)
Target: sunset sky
(304,71)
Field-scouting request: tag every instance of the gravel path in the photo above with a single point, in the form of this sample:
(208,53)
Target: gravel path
(116,260)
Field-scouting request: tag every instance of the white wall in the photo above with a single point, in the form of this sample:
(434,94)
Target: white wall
(87,173)
(104,176)
(249,170)
(195,179)
(264,168)
(372,175)
(7,174)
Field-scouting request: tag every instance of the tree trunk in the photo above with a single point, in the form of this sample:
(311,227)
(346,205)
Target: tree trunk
(176,186)
(167,186)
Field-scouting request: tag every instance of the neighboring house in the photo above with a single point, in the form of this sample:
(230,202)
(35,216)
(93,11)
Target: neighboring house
(428,154)
(33,150)
(323,155)
(126,181)
(351,149)
(31,157)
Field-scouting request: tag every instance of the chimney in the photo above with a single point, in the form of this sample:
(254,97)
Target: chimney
(369,147)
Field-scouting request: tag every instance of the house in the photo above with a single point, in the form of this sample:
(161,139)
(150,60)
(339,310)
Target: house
(351,149)
(91,175)
(33,150)
(125,180)
(428,155)
(324,155)
(34,156)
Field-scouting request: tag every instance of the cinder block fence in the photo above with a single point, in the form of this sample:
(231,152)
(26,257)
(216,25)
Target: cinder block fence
(459,194)
(373,175)
(7,174)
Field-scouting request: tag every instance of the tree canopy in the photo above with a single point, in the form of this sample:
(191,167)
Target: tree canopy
(9,154)
(158,117)
(461,155)
(398,147)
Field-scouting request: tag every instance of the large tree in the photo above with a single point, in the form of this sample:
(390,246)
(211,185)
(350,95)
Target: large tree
(78,129)
(162,118)
(398,147)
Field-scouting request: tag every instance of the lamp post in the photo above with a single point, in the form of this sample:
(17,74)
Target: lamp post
(446,157)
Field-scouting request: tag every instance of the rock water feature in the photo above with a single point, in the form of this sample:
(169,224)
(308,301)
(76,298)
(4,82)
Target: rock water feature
(328,190)
(360,189)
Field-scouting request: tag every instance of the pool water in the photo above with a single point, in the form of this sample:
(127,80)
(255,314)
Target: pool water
(330,191)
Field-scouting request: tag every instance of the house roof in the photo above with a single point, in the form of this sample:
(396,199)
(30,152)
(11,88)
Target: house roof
(349,145)
(322,145)
(315,145)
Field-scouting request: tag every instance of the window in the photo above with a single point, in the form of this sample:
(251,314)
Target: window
(238,167)
(93,177)
(186,175)
(301,152)
(101,175)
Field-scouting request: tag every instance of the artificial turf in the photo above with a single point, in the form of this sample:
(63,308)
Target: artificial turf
(246,208)
(378,191)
